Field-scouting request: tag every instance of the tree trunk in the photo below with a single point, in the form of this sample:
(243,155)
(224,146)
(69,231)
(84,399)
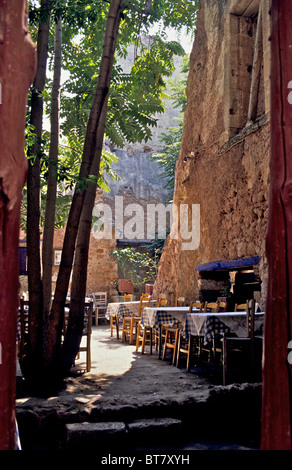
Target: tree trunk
(90,152)
(277,373)
(35,346)
(78,287)
(49,223)
(17,68)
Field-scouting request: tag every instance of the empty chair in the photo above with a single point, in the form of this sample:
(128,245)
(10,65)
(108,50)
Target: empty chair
(191,344)
(130,322)
(86,334)
(213,349)
(162,303)
(128,297)
(240,307)
(211,307)
(144,336)
(222,306)
(100,305)
(179,301)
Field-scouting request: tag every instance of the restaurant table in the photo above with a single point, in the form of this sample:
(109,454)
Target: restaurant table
(120,309)
(207,325)
(155,317)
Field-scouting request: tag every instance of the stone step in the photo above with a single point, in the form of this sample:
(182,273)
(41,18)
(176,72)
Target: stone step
(86,435)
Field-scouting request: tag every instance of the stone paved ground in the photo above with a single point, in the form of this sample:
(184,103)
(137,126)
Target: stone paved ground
(124,386)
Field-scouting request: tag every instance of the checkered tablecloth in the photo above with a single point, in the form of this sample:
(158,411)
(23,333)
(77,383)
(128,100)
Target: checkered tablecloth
(208,325)
(155,317)
(154,320)
(120,309)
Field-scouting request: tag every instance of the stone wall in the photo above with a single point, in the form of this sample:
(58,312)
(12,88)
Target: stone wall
(229,172)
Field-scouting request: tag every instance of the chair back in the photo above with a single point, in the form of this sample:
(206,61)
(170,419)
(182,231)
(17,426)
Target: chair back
(196,304)
(128,297)
(179,301)
(162,297)
(144,295)
(240,307)
(144,302)
(222,306)
(211,307)
(100,299)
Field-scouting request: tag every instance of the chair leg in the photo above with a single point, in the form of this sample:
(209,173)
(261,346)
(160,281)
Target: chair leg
(112,324)
(189,352)
(131,331)
(165,347)
(143,341)
(137,336)
(175,347)
(178,348)
(123,331)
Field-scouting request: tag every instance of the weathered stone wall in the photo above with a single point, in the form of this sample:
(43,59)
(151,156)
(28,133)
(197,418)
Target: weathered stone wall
(102,271)
(229,174)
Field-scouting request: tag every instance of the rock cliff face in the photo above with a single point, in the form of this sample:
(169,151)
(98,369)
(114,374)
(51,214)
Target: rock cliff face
(223,165)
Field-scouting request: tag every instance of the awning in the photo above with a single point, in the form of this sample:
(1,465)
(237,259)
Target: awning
(229,264)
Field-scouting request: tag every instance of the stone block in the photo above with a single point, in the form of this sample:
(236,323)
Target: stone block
(154,424)
(156,430)
(88,435)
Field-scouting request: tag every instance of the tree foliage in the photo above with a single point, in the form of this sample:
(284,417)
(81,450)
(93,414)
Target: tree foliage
(88,112)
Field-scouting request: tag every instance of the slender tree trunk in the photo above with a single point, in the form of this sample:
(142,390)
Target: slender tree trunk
(17,68)
(35,347)
(90,152)
(49,223)
(277,371)
(78,287)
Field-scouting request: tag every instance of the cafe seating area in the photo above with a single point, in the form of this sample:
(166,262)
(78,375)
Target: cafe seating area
(200,337)
(203,337)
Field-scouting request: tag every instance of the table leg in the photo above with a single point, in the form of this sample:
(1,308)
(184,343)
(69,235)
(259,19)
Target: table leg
(117,327)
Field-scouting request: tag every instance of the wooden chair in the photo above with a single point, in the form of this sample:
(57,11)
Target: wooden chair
(172,335)
(222,306)
(160,297)
(144,336)
(208,352)
(130,323)
(211,307)
(86,335)
(100,305)
(240,307)
(128,297)
(179,301)
(191,345)
(234,346)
